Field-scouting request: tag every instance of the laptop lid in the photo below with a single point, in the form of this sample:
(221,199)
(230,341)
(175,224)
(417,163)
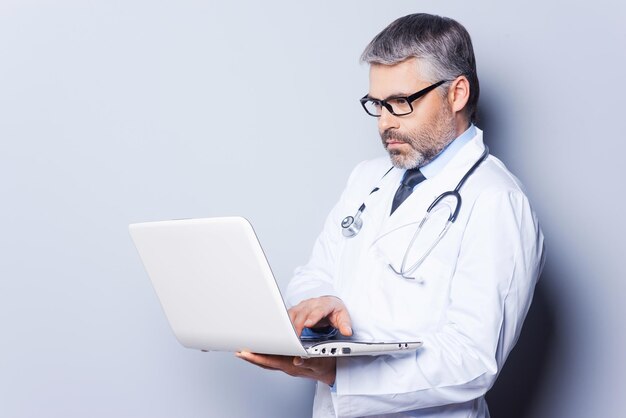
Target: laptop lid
(218,291)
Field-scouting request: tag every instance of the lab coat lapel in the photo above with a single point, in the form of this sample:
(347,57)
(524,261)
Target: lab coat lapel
(379,205)
(414,207)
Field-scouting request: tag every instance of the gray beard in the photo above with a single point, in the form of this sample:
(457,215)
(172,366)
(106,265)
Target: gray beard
(425,145)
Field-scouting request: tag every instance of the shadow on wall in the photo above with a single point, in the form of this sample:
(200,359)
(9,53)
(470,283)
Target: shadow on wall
(522,376)
(524,372)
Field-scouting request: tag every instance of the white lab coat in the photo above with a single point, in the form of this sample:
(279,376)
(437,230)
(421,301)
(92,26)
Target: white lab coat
(467,303)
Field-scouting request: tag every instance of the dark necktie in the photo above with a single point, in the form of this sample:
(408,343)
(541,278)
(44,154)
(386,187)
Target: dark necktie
(410,179)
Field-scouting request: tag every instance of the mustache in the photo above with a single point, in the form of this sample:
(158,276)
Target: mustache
(393,135)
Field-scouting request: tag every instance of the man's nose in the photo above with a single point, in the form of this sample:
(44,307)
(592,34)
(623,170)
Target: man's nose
(387,120)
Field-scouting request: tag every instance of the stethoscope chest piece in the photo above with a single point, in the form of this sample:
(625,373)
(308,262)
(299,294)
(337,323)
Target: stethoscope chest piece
(351,225)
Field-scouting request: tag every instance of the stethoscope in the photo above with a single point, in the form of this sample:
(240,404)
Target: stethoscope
(352,225)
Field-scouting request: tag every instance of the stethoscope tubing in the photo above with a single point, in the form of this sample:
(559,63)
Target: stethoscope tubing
(351,225)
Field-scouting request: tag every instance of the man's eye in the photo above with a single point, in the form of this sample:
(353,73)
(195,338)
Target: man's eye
(398,101)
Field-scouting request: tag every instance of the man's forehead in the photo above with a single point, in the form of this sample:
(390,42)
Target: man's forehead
(403,78)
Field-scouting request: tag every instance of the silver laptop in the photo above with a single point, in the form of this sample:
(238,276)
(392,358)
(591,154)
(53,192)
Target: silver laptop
(218,291)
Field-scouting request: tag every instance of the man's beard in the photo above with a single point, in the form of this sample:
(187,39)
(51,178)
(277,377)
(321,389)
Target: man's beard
(425,144)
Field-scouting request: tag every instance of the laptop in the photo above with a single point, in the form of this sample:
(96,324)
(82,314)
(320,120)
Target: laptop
(219,294)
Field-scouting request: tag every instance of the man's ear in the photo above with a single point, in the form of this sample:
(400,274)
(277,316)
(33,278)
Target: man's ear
(459,93)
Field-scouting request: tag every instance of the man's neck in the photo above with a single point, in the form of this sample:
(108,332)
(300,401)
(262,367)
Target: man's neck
(436,165)
(461,124)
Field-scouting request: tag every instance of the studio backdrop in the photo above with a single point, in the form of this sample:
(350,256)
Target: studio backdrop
(113,112)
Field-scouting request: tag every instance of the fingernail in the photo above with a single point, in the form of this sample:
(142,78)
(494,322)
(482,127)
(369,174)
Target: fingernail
(297,361)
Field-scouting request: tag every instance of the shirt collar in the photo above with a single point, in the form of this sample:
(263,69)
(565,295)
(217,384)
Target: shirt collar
(435,166)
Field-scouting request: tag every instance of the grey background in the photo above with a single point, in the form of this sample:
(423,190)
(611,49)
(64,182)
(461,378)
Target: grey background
(113,112)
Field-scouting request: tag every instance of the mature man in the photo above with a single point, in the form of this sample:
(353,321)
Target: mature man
(463,287)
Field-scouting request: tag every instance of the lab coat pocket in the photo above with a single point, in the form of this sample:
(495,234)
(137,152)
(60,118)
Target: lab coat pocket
(434,269)
(406,247)
(414,306)
(419,294)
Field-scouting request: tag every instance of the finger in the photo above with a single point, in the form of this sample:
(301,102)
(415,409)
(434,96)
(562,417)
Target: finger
(297,320)
(315,316)
(306,366)
(239,355)
(259,365)
(293,313)
(312,367)
(266,361)
(342,321)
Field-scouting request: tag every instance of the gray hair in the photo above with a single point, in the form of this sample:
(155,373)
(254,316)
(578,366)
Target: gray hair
(441,45)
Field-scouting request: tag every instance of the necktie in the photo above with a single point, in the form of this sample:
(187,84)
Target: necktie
(410,179)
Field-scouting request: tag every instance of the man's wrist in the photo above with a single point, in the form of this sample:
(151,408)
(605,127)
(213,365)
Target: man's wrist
(333,388)
(330,377)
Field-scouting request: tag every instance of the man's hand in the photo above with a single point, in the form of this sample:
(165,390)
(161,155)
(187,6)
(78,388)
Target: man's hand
(320,312)
(321,368)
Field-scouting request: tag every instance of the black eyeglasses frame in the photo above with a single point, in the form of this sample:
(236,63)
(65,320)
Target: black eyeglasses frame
(409,99)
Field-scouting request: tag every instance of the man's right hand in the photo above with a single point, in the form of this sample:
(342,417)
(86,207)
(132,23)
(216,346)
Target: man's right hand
(320,312)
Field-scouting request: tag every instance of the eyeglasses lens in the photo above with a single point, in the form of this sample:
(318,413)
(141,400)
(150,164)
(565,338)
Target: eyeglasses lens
(400,106)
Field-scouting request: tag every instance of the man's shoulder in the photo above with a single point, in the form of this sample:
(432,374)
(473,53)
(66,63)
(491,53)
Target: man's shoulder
(500,178)
(493,181)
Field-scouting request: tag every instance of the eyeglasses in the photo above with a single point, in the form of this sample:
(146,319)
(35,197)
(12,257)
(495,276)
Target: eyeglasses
(398,106)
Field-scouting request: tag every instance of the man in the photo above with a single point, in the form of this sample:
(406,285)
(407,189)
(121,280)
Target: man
(465,294)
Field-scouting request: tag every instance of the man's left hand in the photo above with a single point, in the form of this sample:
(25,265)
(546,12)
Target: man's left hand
(319,368)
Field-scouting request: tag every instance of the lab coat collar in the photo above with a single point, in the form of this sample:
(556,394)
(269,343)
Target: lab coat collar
(439,162)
